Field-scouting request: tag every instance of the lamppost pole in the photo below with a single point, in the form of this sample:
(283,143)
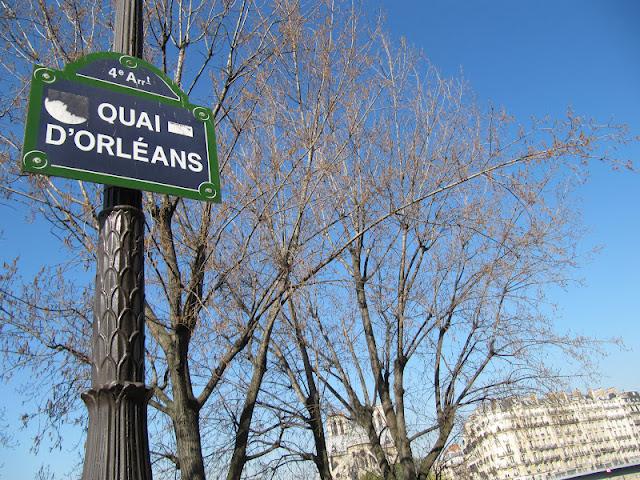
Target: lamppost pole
(117,445)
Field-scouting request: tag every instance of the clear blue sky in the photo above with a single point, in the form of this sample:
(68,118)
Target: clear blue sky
(533,57)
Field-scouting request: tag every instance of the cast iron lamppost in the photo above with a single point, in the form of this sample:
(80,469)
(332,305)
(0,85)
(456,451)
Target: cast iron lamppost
(117,445)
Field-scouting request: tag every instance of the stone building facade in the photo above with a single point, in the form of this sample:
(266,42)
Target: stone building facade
(350,454)
(555,437)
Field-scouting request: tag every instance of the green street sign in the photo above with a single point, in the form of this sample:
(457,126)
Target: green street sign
(115,119)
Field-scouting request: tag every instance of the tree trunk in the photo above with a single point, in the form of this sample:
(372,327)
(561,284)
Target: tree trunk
(406,465)
(312,403)
(239,457)
(321,458)
(186,423)
(366,421)
(185,411)
(427,463)
(407,470)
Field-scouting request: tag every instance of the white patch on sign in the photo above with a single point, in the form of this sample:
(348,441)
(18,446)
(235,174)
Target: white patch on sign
(180,129)
(59,110)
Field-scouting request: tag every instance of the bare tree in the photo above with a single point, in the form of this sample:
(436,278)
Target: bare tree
(440,305)
(217,276)
(396,236)
(194,251)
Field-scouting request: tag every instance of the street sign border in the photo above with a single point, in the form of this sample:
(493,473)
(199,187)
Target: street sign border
(35,161)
